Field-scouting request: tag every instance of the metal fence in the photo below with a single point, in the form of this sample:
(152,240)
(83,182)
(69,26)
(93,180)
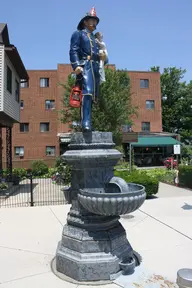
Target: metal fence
(32,192)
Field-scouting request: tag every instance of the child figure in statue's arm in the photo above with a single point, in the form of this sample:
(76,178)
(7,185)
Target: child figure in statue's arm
(102,47)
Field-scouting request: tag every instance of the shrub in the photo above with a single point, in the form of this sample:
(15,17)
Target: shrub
(4,173)
(67,174)
(17,175)
(120,149)
(124,165)
(20,172)
(185,176)
(168,177)
(51,172)
(141,177)
(3,186)
(39,168)
(59,165)
(63,169)
(162,174)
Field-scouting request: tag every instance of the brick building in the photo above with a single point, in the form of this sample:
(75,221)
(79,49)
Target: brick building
(146,95)
(40,134)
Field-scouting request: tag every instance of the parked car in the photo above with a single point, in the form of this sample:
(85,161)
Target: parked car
(170,162)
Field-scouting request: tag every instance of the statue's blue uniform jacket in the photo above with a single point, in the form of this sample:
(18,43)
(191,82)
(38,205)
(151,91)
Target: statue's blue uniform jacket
(84,46)
(84,52)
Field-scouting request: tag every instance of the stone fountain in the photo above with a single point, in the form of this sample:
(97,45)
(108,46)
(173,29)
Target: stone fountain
(94,246)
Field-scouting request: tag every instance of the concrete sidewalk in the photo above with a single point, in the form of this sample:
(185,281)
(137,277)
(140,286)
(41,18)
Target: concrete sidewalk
(167,191)
(160,231)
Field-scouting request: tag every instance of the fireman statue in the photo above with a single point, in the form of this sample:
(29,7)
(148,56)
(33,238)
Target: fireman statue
(85,57)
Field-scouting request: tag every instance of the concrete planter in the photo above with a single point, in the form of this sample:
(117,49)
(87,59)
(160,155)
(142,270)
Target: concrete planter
(67,193)
(4,193)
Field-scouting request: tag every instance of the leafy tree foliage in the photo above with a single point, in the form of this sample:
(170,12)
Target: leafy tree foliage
(176,102)
(113,108)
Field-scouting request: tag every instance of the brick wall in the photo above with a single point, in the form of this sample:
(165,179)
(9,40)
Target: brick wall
(34,112)
(139,97)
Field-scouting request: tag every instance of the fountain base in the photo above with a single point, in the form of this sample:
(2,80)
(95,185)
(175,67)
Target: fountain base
(94,242)
(86,255)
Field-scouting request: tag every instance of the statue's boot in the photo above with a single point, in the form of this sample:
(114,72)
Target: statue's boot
(86,113)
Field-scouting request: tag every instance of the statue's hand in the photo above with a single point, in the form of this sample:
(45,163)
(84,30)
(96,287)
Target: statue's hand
(78,70)
(102,55)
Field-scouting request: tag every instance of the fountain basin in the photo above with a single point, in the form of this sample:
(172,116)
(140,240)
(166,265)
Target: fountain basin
(113,204)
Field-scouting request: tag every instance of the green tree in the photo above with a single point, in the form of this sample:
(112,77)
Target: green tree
(176,102)
(113,109)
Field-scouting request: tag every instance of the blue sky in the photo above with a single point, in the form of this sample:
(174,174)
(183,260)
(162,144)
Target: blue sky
(139,33)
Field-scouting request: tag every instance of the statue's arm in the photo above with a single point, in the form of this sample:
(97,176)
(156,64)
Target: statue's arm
(74,50)
(106,59)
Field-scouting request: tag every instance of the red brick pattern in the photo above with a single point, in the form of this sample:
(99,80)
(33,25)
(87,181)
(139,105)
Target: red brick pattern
(34,111)
(139,97)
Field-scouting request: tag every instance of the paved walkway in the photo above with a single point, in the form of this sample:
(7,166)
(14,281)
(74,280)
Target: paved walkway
(160,231)
(167,191)
(44,193)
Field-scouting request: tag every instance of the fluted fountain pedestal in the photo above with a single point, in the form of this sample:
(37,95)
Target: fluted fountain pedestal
(94,244)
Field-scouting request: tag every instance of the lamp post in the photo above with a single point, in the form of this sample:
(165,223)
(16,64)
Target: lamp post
(130,157)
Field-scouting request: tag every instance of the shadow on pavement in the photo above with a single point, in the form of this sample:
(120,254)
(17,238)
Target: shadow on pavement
(187,207)
(23,188)
(152,197)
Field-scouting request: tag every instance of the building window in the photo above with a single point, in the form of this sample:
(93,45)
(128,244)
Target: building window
(50,150)
(24,84)
(44,82)
(145,126)
(9,79)
(50,104)
(150,104)
(17,91)
(24,127)
(19,151)
(44,127)
(22,104)
(144,83)
(126,128)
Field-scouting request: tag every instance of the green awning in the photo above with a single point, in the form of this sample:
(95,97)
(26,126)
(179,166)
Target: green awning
(155,141)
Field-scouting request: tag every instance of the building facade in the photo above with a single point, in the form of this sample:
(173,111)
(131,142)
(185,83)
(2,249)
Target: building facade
(12,70)
(146,95)
(41,135)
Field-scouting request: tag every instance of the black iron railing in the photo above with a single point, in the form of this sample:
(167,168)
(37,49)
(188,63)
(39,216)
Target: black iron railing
(15,192)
